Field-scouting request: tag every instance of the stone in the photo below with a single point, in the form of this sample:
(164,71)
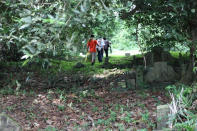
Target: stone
(162,116)
(183,69)
(158,54)
(195,127)
(130,74)
(137,61)
(181,59)
(111,84)
(106,60)
(161,54)
(79,65)
(187,76)
(160,72)
(140,76)
(194,105)
(127,54)
(149,58)
(122,84)
(7,124)
(166,56)
(131,83)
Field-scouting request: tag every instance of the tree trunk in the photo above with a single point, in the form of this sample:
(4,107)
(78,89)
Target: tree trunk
(139,44)
(189,76)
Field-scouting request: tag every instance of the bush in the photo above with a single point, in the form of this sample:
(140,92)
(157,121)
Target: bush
(180,115)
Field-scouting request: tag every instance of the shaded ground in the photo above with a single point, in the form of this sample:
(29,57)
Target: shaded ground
(98,109)
(82,99)
(93,105)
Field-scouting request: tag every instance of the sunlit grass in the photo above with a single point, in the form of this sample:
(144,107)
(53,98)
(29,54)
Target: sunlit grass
(68,66)
(175,54)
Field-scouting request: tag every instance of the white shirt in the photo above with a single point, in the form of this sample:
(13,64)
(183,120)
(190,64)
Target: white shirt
(101,43)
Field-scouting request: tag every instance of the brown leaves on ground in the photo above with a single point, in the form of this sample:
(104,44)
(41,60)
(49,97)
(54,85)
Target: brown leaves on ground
(44,109)
(91,106)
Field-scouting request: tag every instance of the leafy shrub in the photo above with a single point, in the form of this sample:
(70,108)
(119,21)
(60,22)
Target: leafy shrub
(180,115)
(7,91)
(182,91)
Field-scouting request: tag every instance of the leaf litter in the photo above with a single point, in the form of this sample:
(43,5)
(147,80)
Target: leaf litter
(92,106)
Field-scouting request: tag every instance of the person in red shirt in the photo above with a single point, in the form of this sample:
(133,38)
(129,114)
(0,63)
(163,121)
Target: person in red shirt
(91,45)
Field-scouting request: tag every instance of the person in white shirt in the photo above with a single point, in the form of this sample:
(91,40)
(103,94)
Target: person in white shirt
(100,49)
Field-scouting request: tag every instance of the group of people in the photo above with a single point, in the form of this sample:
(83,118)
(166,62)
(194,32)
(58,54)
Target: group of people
(101,45)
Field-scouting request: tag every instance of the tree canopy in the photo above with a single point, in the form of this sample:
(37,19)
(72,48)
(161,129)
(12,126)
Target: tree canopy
(169,21)
(48,28)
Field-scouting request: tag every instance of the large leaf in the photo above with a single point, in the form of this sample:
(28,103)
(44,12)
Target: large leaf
(31,49)
(24,26)
(26,61)
(27,20)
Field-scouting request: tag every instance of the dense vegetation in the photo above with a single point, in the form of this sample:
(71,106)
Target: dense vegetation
(51,28)
(40,43)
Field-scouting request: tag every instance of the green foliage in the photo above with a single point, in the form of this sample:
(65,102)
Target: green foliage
(188,125)
(187,96)
(146,119)
(49,128)
(54,29)
(7,91)
(59,29)
(182,98)
(61,107)
(127,118)
(157,21)
(123,38)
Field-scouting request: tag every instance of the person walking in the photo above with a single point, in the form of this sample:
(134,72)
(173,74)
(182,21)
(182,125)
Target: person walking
(106,46)
(100,49)
(91,47)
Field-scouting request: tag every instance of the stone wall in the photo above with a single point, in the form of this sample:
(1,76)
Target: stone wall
(162,116)
(7,124)
(160,72)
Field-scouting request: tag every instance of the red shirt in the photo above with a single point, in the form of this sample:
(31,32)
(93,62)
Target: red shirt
(92,45)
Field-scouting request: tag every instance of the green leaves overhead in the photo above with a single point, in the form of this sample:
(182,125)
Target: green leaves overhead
(169,21)
(51,28)
(61,28)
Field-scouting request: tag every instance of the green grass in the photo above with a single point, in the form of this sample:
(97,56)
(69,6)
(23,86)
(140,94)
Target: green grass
(56,66)
(68,66)
(175,54)
(120,59)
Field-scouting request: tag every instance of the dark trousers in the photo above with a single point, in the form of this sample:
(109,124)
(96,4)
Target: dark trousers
(100,55)
(106,52)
